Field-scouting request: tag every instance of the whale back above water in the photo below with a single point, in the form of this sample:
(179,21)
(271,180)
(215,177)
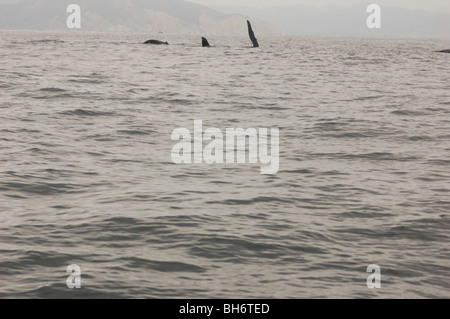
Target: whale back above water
(157,42)
(444,51)
(205,42)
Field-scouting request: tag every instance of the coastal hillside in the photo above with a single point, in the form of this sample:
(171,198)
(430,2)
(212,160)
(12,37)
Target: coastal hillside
(152,16)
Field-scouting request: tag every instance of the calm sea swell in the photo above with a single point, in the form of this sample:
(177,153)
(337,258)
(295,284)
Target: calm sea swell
(87,178)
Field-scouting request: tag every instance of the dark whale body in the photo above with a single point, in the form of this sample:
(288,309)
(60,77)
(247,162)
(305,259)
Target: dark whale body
(157,42)
(444,51)
(205,42)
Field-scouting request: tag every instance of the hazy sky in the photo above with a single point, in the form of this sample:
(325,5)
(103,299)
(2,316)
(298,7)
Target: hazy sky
(431,5)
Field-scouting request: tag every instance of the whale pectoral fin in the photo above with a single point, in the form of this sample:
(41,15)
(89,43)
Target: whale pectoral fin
(252,35)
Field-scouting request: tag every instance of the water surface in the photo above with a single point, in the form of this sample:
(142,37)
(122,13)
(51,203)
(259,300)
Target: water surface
(86,175)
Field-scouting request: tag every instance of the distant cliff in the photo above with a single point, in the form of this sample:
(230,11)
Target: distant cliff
(152,16)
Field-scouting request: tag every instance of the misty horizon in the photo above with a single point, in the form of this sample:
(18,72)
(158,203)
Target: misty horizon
(433,6)
(343,19)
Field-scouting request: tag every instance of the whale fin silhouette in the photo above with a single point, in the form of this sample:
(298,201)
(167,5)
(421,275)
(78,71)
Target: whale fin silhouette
(252,35)
(205,42)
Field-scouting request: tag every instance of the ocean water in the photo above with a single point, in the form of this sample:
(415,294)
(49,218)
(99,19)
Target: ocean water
(86,175)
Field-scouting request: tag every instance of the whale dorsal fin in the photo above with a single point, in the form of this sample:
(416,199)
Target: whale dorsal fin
(252,35)
(205,42)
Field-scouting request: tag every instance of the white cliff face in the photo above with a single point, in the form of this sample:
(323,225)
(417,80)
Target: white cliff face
(153,16)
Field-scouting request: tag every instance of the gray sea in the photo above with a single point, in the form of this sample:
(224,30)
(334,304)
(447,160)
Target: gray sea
(86,175)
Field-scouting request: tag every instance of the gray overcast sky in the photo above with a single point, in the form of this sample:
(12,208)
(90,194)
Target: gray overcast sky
(430,5)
